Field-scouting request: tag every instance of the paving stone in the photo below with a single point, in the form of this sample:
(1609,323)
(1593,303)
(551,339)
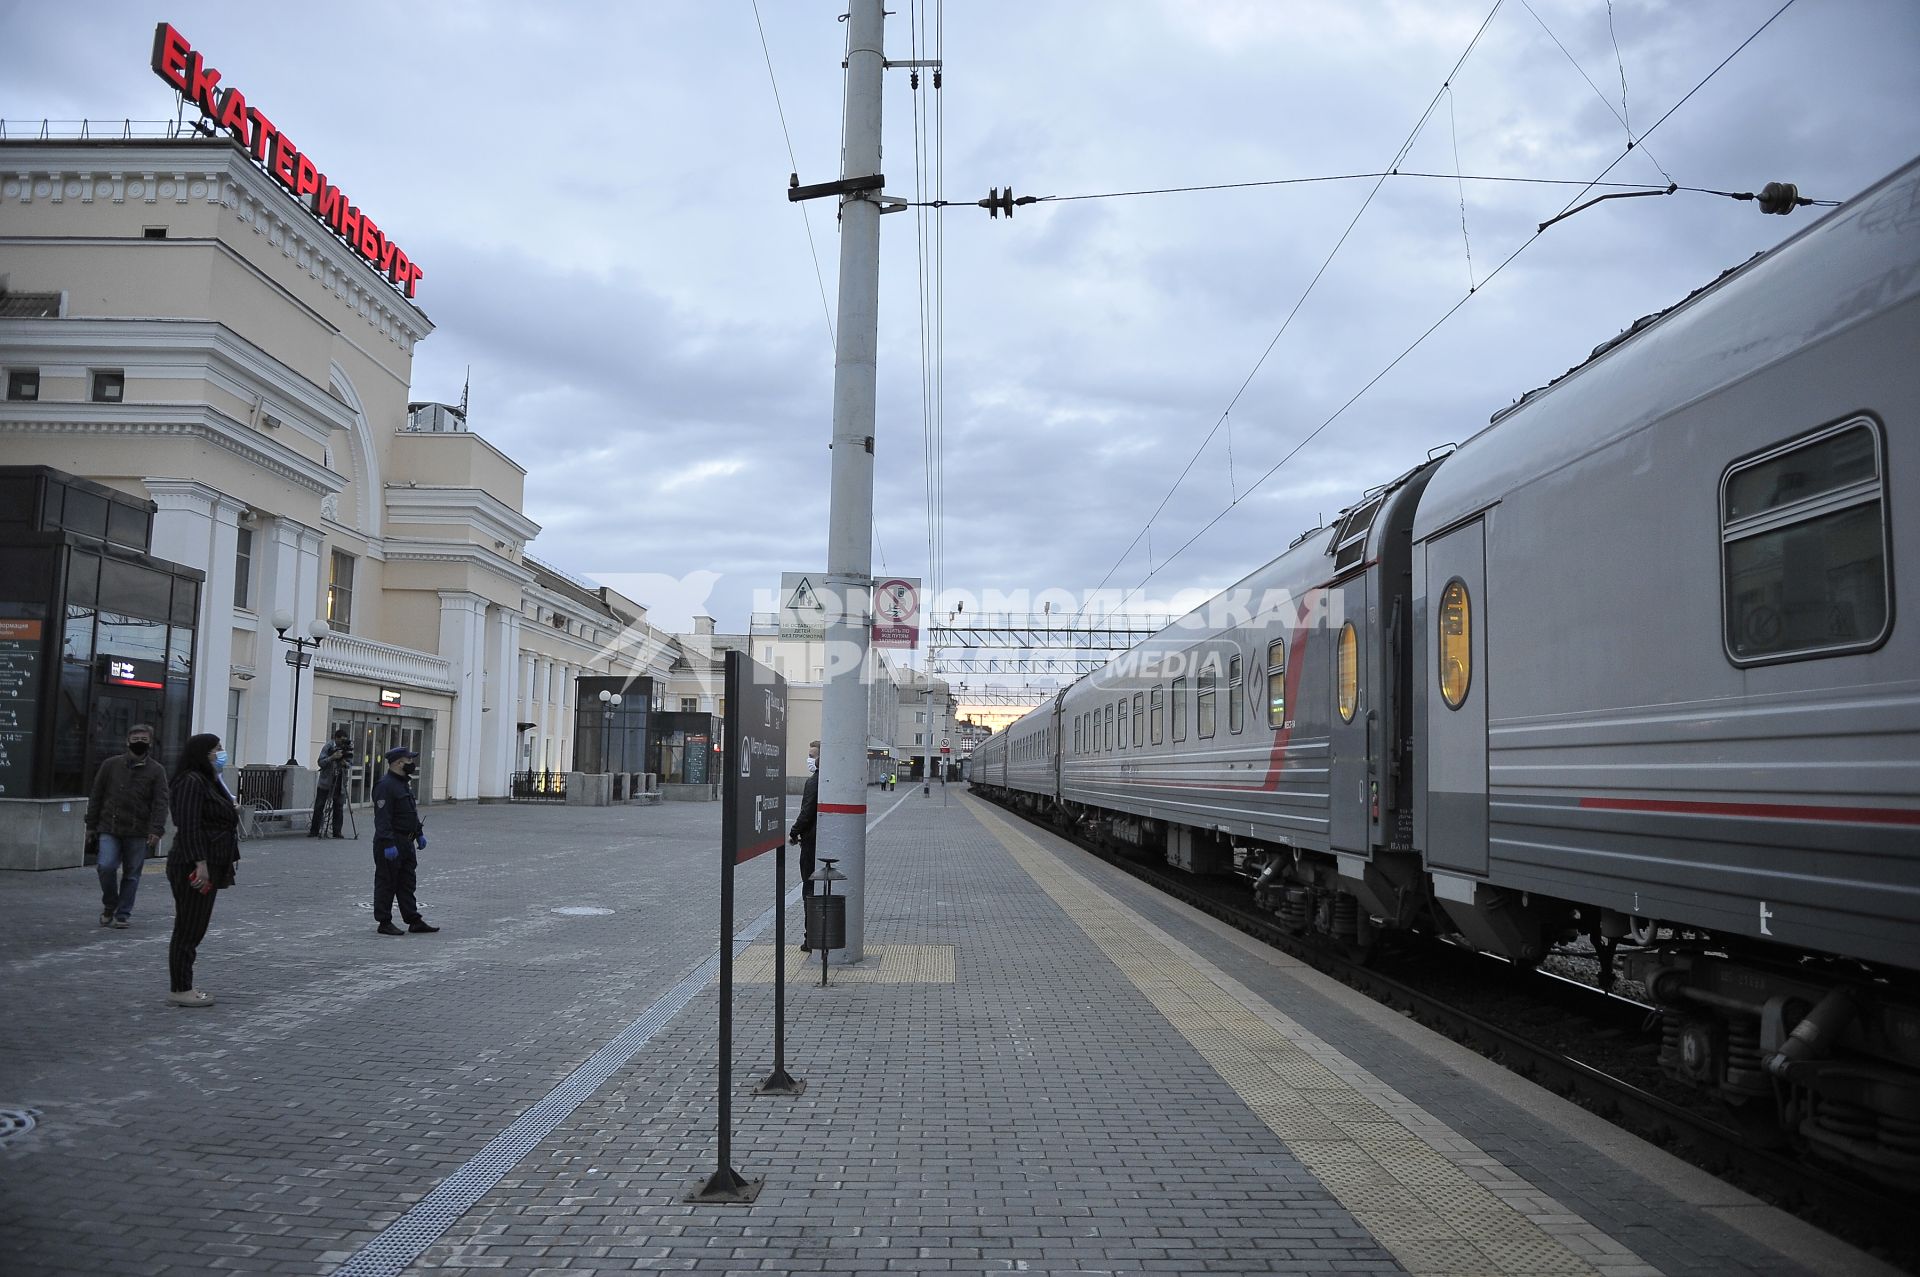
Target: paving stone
(1032,1107)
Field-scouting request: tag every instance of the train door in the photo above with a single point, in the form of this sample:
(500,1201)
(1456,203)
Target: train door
(1455,643)
(1350,720)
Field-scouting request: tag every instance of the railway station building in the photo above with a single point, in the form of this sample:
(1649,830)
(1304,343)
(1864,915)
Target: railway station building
(183,341)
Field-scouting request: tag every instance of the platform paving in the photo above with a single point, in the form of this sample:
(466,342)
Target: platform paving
(1051,1071)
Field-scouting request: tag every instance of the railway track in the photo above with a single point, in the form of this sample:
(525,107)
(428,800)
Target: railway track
(1857,1211)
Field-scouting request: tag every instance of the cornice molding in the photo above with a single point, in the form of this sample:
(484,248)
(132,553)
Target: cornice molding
(173,348)
(464,507)
(192,496)
(412,550)
(186,421)
(105,176)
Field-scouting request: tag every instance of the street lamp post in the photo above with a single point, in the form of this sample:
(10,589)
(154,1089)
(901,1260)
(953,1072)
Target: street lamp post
(609,701)
(300,656)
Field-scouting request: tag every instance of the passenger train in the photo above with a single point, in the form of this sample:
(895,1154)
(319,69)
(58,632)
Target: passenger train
(1626,664)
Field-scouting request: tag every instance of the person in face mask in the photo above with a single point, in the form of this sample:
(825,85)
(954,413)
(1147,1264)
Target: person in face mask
(200,862)
(397,836)
(126,816)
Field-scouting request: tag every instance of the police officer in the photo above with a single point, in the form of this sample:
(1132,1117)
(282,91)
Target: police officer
(397,835)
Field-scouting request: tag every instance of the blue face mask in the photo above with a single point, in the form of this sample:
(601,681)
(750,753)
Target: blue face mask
(220,760)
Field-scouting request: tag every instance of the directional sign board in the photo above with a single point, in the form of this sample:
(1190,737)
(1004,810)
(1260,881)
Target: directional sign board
(754,814)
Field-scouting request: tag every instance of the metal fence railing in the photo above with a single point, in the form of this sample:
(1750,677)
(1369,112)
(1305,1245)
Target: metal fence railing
(538,787)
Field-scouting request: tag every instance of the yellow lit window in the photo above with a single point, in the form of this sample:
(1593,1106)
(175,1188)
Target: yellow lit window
(1456,644)
(1349,672)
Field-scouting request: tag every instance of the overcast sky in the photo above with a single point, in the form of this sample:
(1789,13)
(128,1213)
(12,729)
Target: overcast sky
(597,194)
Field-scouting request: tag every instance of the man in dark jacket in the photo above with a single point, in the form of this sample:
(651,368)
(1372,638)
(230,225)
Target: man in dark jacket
(804,825)
(127,813)
(397,835)
(330,784)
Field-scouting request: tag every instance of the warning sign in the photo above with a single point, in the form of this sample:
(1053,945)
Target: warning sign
(896,612)
(803,608)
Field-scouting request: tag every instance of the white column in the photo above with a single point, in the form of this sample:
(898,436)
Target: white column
(563,700)
(497,733)
(287,559)
(198,527)
(462,643)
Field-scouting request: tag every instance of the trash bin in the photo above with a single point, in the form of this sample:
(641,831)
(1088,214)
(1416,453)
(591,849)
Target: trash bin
(826,914)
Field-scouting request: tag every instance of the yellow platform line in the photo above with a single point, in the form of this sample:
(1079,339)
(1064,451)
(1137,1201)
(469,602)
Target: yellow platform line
(1436,1202)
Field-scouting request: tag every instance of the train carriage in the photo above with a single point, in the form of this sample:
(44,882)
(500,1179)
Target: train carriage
(1626,663)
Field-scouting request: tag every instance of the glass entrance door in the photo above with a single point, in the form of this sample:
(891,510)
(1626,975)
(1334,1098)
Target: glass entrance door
(372,736)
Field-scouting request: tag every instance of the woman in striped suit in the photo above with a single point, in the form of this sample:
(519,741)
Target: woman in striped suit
(201,860)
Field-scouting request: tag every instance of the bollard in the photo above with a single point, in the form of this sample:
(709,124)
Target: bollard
(826,914)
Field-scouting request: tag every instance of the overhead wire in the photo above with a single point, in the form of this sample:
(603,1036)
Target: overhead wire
(1447,314)
(1307,292)
(805,219)
(1605,100)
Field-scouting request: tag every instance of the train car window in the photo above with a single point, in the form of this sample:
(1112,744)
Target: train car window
(1236,696)
(1277,683)
(1076,733)
(1179,710)
(1139,718)
(1109,728)
(1157,713)
(1205,700)
(1804,548)
(1123,722)
(1348,680)
(1456,643)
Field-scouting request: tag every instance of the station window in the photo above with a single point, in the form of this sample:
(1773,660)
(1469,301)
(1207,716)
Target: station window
(1139,718)
(1347,677)
(1277,683)
(1236,696)
(23,384)
(340,593)
(1804,548)
(1157,713)
(1179,710)
(109,387)
(1205,703)
(243,569)
(1456,643)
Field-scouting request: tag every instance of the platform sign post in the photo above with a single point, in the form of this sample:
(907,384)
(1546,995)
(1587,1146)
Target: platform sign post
(753,821)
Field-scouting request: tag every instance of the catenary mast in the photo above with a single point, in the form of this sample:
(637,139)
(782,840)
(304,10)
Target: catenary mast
(843,710)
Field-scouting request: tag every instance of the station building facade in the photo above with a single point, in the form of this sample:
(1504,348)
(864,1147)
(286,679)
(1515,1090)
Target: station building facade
(175,327)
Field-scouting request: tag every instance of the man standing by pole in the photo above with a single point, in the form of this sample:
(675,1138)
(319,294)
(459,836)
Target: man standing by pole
(843,763)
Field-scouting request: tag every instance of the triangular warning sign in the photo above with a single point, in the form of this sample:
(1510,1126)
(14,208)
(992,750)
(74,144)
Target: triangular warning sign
(803,599)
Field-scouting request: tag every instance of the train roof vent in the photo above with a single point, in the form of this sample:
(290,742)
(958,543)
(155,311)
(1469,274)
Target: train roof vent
(1349,544)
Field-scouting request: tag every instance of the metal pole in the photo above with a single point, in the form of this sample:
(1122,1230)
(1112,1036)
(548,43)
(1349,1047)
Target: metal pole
(843,732)
(293,714)
(926,764)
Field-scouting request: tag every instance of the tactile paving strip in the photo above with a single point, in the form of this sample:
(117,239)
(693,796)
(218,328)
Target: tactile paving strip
(885,964)
(1439,1205)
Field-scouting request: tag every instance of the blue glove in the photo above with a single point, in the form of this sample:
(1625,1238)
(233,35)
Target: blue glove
(390,852)
(421,842)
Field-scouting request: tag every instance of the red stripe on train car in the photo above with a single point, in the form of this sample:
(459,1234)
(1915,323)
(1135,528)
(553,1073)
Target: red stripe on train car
(1763,811)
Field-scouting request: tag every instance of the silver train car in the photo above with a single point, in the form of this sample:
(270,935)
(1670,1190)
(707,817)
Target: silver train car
(1626,664)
